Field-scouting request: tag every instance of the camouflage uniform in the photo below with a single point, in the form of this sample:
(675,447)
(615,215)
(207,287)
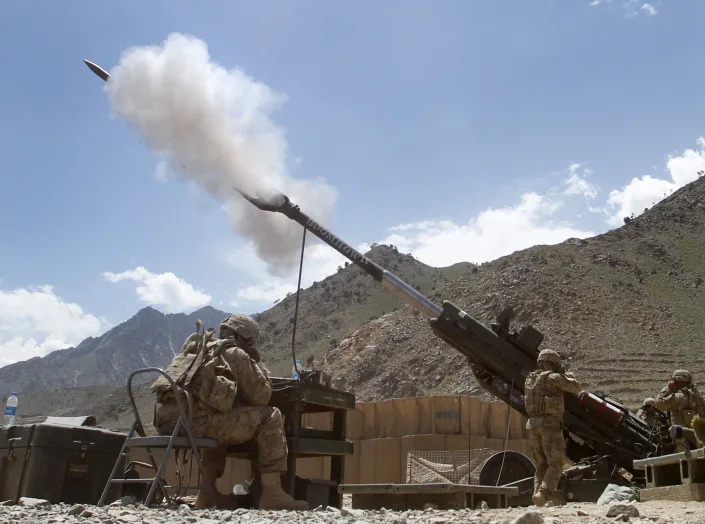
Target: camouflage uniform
(544,404)
(250,418)
(683,400)
(648,415)
(230,390)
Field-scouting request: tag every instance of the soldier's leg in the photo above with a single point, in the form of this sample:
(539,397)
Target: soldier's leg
(554,449)
(539,458)
(265,425)
(213,461)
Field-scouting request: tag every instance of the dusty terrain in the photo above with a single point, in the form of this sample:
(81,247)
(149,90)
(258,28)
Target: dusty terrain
(652,512)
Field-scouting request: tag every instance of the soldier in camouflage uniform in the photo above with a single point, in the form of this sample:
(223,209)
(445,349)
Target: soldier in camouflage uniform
(648,412)
(683,400)
(543,391)
(231,392)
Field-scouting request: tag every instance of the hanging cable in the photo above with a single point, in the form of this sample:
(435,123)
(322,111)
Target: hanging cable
(506,436)
(296,308)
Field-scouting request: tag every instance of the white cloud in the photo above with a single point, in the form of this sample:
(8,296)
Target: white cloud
(166,290)
(645,191)
(649,9)
(489,235)
(631,8)
(578,184)
(35,321)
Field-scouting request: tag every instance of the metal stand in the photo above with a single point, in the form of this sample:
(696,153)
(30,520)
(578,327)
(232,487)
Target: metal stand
(145,445)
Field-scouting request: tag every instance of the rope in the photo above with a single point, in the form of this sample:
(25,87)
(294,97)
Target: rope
(296,308)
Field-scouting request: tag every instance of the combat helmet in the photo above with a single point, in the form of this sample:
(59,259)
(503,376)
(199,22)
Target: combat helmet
(681,375)
(549,355)
(648,401)
(243,325)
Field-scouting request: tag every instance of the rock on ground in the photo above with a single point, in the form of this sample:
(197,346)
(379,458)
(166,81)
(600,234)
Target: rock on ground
(656,512)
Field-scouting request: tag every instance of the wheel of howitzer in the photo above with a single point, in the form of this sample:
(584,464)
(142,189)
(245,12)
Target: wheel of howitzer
(506,467)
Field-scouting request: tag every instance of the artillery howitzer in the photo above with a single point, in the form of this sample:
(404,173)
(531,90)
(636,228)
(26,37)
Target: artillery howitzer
(595,423)
(597,426)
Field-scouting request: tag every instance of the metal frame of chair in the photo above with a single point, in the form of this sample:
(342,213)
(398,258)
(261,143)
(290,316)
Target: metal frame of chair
(168,443)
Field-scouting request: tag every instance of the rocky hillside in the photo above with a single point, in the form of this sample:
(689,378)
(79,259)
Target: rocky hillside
(333,308)
(625,308)
(150,338)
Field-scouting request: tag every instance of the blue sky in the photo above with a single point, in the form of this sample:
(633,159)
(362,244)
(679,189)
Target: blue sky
(456,130)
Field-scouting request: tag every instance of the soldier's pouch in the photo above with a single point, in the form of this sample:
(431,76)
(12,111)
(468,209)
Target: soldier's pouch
(218,390)
(553,405)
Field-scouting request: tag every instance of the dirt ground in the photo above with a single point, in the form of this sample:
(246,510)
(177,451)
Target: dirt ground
(652,511)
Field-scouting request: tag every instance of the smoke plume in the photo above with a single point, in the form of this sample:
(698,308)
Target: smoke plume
(213,126)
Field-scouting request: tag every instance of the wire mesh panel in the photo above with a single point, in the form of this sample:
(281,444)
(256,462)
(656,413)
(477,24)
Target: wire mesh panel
(449,467)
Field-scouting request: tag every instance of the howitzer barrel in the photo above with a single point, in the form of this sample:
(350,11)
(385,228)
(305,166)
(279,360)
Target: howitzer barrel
(281,204)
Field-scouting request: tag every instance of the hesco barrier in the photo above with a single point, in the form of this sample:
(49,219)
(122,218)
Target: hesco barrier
(385,432)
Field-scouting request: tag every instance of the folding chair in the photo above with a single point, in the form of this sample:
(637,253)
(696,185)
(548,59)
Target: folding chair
(158,448)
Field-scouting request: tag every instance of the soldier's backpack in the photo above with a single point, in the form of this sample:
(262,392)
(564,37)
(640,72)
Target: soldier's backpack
(200,369)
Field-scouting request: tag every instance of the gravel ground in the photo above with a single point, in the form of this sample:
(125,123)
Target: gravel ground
(657,512)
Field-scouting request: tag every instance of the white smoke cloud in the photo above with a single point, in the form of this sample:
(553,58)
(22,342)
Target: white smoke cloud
(214,126)
(166,290)
(35,321)
(643,192)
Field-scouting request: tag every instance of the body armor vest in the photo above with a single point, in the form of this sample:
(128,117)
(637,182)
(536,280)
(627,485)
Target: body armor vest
(540,398)
(200,369)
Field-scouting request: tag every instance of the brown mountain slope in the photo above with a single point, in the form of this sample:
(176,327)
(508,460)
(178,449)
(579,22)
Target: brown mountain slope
(626,308)
(331,309)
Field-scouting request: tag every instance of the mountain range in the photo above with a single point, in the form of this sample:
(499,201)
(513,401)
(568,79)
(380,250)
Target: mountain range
(624,308)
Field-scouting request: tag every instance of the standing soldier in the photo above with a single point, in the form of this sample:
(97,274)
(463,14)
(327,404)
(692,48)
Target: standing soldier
(230,390)
(543,391)
(683,400)
(648,412)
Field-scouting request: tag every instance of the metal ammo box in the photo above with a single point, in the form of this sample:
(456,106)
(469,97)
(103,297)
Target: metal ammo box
(57,463)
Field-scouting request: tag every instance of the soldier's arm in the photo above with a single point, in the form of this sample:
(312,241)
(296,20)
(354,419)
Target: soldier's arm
(674,400)
(252,381)
(566,382)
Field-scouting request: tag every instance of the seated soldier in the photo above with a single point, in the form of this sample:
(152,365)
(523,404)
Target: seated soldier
(230,390)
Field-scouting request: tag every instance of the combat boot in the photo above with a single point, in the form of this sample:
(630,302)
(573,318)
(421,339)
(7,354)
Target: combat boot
(555,499)
(274,497)
(540,497)
(213,464)
(203,500)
